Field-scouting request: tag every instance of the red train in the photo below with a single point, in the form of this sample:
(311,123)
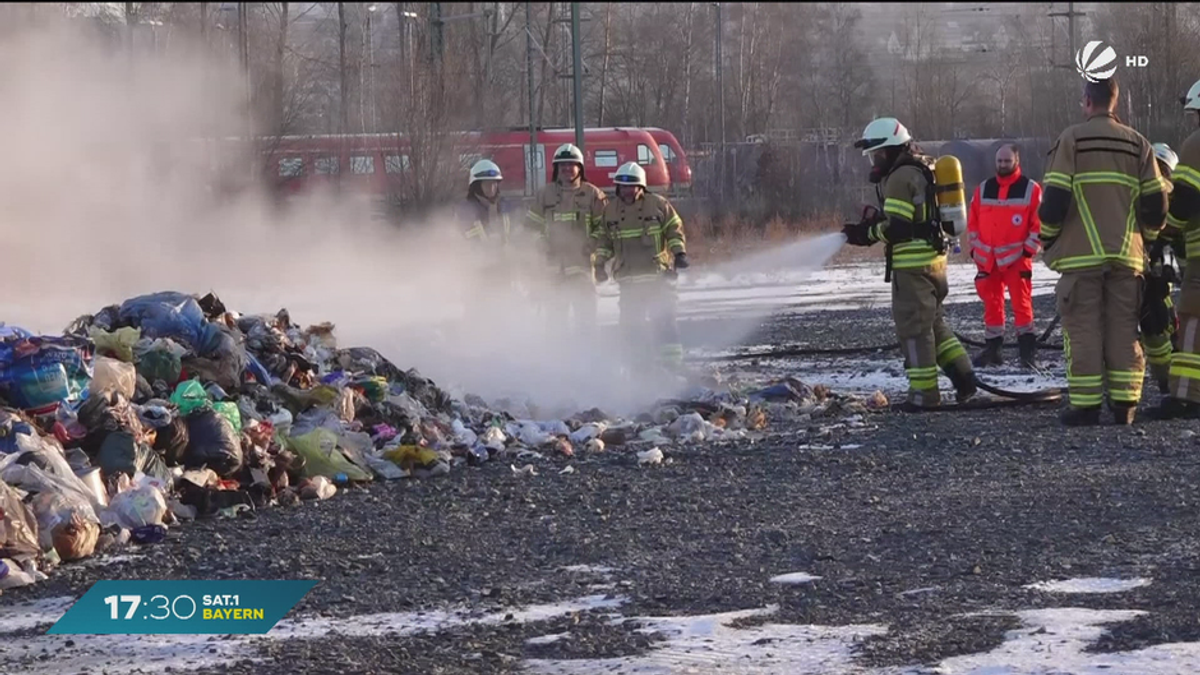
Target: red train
(372,163)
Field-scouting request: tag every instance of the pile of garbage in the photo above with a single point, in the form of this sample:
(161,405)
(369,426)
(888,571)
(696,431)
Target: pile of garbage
(169,407)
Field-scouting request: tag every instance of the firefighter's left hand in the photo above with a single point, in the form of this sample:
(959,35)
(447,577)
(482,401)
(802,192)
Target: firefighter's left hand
(858,234)
(681,261)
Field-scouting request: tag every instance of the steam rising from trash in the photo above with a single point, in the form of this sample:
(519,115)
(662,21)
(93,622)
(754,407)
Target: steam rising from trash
(108,196)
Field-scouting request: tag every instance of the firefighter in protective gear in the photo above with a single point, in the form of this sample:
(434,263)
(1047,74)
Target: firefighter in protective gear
(643,236)
(1183,389)
(486,221)
(916,262)
(1002,233)
(565,217)
(1171,235)
(1158,311)
(1101,183)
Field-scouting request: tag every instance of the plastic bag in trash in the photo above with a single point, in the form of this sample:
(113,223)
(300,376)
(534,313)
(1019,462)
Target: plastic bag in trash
(111,374)
(8,333)
(172,441)
(160,365)
(42,467)
(212,442)
(10,427)
(67,523)
(18,526)
(229,410)
(120,453)
(323,457)
(40,372)
(136,507)
(189,396)
(588,432)
(167,314)
(118,343)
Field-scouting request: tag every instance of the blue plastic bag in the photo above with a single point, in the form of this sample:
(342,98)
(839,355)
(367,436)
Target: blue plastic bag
(8,333)
(38,372)
(168,315)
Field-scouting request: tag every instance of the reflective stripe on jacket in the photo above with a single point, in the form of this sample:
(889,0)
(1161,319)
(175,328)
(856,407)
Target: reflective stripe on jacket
(1002,223)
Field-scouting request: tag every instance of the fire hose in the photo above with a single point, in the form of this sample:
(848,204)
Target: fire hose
(1007,398)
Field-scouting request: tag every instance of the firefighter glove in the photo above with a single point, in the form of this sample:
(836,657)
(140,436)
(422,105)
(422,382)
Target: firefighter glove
(858,234)
(681,261)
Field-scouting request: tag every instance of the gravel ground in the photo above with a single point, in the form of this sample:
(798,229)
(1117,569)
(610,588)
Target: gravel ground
(910,523)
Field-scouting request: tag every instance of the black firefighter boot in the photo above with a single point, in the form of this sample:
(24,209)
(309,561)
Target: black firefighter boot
(1028,345)
(1081,417)
(964,384)
(1123,413)
(991,354)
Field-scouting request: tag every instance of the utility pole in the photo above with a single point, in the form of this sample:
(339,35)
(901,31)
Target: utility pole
(531,162)
(1070,14)
(578,75)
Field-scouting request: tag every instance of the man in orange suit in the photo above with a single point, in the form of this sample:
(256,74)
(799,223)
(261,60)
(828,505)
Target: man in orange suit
(1002,232)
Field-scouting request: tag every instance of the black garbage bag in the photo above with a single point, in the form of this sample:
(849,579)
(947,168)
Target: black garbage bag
(172,441)
(207,501)
(120,453)
(212,443)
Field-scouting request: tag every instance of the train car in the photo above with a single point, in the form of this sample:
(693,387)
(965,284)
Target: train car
(370,163)
(677,163)
(604,150)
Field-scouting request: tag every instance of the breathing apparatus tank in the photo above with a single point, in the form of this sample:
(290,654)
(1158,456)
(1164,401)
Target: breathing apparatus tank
(951,197)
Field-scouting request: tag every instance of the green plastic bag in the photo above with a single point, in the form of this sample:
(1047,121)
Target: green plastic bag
(119,343)
(189,396)
(229,411)
(322,457)
(160,364)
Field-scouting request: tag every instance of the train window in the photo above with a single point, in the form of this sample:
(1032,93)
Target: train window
(644,154)
(395,163)
(327,165)
(290,167)
(667,153)
(606,158)
(361,164)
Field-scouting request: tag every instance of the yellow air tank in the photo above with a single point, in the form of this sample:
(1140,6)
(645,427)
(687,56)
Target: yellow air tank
(951,197)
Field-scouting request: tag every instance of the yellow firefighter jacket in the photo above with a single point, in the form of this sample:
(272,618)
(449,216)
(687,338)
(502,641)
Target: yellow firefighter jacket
(566,220)
(1186,178)
(905,196)
(1115,196)
(642,237)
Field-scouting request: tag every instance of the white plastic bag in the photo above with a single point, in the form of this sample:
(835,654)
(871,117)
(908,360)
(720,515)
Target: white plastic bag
(137,507)
(113,375)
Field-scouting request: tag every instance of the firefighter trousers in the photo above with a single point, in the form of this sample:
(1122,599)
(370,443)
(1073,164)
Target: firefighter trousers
(648,322)
(571,301)
(990,287)
(1184,380)
(1100,312)
(926,342)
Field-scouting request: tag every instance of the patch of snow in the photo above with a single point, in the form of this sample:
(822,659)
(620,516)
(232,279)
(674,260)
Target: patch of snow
(1055,640)
(31,614)
(707,644)
(411,623)
(547,639)
(158,653)
(1089,585)
(794,578)
(588,569)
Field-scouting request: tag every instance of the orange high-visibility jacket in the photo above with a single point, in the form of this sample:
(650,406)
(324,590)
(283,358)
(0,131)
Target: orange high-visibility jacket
(1002,223)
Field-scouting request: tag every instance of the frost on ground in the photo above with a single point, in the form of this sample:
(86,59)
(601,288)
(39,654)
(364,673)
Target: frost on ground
(794,578)
(23,654)
(1089,585)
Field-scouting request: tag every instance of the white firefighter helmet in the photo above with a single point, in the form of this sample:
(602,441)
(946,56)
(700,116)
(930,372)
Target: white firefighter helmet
(485,169)
(884,132)
(1166,155)
(630,174)
(1192,100)
(567,152)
